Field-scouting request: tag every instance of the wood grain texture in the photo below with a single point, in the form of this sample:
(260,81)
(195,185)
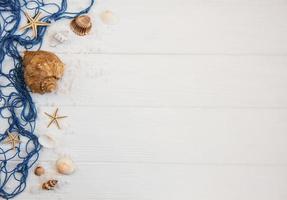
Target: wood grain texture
(163,81)
(174,135)
(180,100)
(152,181)
(186,27)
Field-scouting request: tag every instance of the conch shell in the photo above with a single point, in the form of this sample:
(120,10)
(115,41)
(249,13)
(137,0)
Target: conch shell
(42,71)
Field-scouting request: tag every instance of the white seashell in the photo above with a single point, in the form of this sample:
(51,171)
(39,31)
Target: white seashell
(65,165)
(59,38)
(47,141)
(108,17)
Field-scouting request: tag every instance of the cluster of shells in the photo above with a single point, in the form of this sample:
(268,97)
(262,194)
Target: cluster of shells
(81,26)
(64,165)
(42,70)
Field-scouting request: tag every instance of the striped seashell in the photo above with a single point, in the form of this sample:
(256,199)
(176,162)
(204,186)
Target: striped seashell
(81,25)
(49,185)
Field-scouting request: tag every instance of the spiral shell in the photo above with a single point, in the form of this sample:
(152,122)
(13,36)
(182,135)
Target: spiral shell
(42,71)
(49,185)
(81,25)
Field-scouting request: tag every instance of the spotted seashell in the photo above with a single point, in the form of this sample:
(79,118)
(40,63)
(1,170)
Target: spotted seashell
(42,71)
(81,25)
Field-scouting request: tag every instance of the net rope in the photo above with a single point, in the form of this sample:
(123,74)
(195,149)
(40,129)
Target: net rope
(17,111)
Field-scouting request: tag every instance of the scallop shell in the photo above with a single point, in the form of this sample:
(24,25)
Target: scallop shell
(108,17)
(65,165)
(42,71)
(47,141)
(81,25)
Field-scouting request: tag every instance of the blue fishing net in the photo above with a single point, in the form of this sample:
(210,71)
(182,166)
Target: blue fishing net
(17,110)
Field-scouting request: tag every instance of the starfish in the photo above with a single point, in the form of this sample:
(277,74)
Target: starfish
(13,139)
(54,118)
(33,23)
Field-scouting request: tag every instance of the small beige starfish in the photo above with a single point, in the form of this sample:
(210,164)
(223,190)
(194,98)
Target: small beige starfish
(13,139)
(54,118)
(33,23)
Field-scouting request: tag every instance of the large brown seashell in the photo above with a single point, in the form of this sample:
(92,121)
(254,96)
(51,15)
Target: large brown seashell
(42,71)
(81,25)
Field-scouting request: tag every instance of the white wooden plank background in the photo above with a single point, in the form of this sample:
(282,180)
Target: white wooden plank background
(180,100)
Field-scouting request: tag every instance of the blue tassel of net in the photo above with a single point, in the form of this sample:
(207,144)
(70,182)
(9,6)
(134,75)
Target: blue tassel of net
(17,110)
